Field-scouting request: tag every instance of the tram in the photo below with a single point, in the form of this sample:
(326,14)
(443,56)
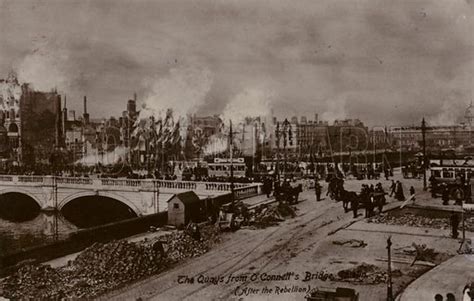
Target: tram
(221,167)
(455,173)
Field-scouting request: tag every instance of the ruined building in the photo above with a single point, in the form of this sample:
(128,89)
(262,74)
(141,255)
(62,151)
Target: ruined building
(32,121)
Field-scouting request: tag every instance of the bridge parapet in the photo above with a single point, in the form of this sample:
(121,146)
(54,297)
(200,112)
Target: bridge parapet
(125,184)
(74,181)
(247,192)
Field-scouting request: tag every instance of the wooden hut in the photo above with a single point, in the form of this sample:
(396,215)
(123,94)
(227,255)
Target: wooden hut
(183,208)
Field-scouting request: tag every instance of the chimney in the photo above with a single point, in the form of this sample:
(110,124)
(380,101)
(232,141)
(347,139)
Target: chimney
(64,117)
(86,115)
(58,121)
(316,117)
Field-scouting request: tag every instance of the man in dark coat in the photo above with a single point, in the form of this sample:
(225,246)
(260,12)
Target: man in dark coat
(317,189)
(399,195)
(445,195)
(393,187)
(355,206)
(454,224)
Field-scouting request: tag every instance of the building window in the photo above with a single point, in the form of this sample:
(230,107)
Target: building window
(176,206)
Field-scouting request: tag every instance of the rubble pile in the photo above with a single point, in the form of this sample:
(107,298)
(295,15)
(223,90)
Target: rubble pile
(353,243)
(410,219)
(421,253)
(181,246)
(97,269)
(363,273)
(116,262)
(34,281)
(103,267)
(271,216)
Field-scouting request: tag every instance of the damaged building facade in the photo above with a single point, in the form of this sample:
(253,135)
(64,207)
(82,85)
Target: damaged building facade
(30,123)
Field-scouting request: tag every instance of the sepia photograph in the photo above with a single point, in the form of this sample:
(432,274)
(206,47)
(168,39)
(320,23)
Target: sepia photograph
(281,150)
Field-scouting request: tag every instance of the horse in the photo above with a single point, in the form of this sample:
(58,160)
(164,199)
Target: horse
(292,194)
(347,197)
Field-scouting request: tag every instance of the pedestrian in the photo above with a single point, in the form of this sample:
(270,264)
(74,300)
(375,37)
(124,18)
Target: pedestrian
(412,194)
(380,198)
(433,186)
(393,186)
(454,224)
(438,297)
(445,194)
(317,188)
(355,206)
(399,195)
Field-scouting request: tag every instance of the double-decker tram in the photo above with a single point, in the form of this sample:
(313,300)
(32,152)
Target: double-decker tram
(221,167)
(455,174)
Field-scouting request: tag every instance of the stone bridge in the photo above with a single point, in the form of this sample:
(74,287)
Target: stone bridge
(142,196)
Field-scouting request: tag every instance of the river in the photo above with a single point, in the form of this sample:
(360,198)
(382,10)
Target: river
(44,228)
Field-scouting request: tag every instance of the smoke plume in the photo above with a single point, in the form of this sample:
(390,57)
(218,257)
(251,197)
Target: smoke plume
(183,92)
(335,109)
(250,103)
(44,68)
(217,144)
(451,112)
(112,157)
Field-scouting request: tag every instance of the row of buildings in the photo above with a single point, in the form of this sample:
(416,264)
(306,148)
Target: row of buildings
(265,136)
(36,127)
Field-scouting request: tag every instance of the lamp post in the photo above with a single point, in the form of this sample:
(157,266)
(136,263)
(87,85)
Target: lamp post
(286,132)
(231,148)
(423,134)
(277,136)
(389,281)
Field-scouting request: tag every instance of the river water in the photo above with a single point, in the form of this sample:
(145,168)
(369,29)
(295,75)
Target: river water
(44,228)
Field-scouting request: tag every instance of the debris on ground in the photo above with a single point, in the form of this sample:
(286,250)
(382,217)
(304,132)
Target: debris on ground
(365,273)
(410,219)
(353,243)
(271,216)
(421,253)
(103,267)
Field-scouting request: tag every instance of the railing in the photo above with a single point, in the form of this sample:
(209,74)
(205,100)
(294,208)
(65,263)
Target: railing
(75,181)
(184,185)
(6,178)
(30,179)
(246,192)
(121,182)
(145,184)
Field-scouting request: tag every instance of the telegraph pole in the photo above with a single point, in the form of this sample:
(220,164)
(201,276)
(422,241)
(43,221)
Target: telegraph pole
(389,282)
(231,148)
(423,133)
(277,136)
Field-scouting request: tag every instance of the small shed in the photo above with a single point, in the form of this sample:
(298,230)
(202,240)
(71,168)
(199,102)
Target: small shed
(183,208)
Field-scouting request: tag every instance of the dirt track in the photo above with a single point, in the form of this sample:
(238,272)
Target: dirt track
(280,258)
(245,252)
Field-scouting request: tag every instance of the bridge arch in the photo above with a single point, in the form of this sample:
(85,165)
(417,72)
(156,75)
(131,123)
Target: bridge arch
(38,200)
(110,195)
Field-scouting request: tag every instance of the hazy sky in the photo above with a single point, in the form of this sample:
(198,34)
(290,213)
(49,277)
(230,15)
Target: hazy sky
(385,62)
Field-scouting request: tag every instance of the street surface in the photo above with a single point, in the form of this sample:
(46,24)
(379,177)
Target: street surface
(297,248)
